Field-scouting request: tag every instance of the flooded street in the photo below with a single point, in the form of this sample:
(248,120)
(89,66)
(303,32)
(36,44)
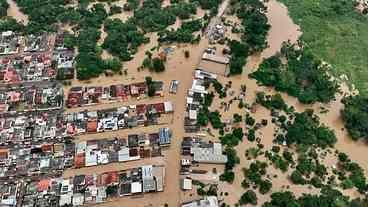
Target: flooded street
(15,12)
(180,68)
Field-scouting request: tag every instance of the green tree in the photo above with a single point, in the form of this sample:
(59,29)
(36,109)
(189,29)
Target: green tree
(249,197)
(158,65)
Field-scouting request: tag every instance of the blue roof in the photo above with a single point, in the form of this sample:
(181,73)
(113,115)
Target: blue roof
(165,135)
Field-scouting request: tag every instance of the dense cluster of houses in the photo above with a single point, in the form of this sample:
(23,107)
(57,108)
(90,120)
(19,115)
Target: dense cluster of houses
(12,43)
(89,95)
(37,43)
(37,138)
(134,147)
(37,160)
(116,118)
(63,58)
(26,68)
(31,174)
(40,97)
(33,58)
(195,97)
(83,189)
(9,43)
(52,157)
(31,127)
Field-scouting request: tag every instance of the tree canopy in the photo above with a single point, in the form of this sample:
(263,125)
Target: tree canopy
(303,76)
(307,130)
(123,39)
(355,116)
(3,8)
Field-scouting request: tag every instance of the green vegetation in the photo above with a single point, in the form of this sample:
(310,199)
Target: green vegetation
(183,10)
(232,160)
(278,161)
(249,120)
(251,135)
(271,101)
(304,76)
(351,175)
(232,139)
(154,64)
(307,130)
(211,5)
(115,9)
(335,32)
(239,52)
(237,118)
(151,86)
(215,120)
(182,35)
(355,116)
(206,190)
(123,39)
(249,197)
(151,17)
(328,197)
(221,91)
(131,5)
(3,8)
(254,23)
(10,24)
(89,63)
(43,15)
(254,175)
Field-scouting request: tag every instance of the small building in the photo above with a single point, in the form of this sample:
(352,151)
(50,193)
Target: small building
(210,201)
(165,135)
(211,154)
(186,184)
(136,187)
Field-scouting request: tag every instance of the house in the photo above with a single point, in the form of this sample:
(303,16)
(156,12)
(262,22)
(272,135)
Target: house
(165,136)
(186,184)
(211,153)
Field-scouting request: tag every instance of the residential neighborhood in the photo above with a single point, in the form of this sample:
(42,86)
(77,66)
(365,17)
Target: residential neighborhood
(168,103)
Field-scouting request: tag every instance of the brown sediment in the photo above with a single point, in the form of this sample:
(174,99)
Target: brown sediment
(14,11)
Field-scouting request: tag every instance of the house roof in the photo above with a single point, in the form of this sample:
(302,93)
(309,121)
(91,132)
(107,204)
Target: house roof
(43,185)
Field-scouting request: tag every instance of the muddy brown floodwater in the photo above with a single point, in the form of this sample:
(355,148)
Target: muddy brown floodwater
(15,12)
(283,29)
(180,68)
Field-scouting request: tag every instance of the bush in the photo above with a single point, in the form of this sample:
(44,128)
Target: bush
(249,197)
(297,178)
(227,176)
(250,121)
(158,65)
(252,135)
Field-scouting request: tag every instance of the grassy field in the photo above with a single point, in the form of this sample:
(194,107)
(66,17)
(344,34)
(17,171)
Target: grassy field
(336,32)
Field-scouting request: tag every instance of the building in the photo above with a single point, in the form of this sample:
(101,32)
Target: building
(165,135)
(210,201)
(186,184)
(208,153)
